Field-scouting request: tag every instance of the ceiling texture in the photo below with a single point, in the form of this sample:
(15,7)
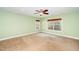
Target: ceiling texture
(31,10)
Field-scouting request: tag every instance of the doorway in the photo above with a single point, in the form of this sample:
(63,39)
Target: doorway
(37,25)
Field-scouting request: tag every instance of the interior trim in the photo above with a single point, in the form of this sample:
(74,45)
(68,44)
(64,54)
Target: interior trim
(37,32)
(63,35)
(17,36)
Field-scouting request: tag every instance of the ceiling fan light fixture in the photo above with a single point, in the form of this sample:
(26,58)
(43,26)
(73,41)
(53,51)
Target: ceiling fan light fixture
(42,12)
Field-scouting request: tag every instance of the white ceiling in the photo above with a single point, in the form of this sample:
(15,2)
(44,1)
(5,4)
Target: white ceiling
(31,10)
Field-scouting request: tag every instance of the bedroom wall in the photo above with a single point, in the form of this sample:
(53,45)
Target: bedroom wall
(12,24)
(70,24)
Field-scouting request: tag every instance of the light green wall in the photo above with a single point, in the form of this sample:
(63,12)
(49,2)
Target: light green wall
(12,24)
(70,24)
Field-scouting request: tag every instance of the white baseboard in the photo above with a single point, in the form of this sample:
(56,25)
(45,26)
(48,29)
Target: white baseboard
(17,36)
(63,35)
(37,32)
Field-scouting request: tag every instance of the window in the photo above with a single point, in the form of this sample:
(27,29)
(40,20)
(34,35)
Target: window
(54,24)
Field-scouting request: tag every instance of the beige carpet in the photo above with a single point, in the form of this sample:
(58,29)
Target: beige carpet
(39,42)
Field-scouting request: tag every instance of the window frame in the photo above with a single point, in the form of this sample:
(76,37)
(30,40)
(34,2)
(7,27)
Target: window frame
(61,25)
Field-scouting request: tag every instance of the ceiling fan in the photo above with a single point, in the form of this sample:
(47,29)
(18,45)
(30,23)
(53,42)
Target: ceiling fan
(42,12)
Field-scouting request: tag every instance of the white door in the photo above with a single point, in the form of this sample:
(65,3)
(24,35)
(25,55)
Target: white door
(37,25)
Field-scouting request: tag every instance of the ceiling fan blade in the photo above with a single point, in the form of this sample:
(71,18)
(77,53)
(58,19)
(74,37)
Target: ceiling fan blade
(46,13)
(37,11)
(45,10)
